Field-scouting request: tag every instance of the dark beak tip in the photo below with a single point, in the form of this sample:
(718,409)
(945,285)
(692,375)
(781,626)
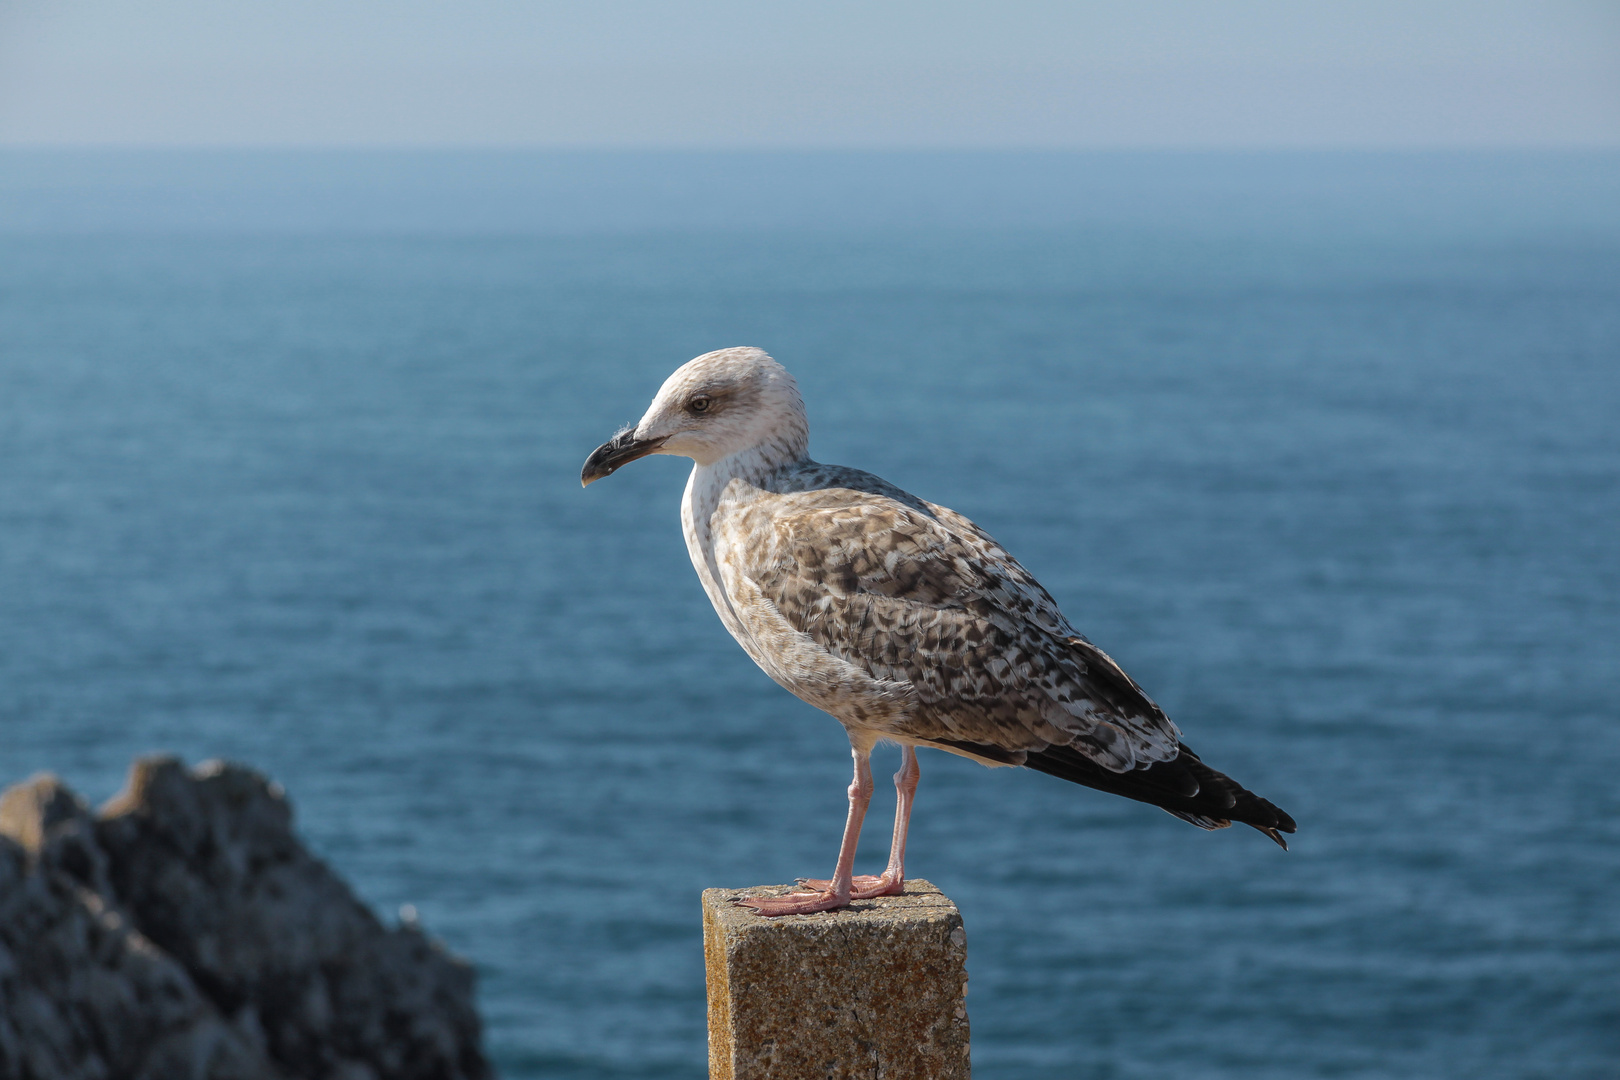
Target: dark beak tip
(606,459)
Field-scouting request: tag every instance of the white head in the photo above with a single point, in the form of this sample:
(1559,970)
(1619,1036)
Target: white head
(733,401)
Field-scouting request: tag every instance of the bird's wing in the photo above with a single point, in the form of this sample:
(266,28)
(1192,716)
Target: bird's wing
(917,594)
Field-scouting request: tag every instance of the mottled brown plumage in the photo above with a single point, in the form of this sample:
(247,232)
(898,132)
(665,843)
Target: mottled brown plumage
(969,645)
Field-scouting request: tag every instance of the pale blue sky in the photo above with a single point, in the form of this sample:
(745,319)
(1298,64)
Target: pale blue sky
(717,73)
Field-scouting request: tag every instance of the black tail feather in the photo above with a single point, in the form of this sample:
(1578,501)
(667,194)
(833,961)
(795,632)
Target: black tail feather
(1186,787)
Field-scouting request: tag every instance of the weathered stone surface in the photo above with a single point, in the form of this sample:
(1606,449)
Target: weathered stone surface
(186,932)
(876,991)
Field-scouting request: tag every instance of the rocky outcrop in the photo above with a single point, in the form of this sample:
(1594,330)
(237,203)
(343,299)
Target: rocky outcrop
(185,932)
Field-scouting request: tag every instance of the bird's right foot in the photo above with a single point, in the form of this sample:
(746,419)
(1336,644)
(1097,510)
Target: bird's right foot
(792,903)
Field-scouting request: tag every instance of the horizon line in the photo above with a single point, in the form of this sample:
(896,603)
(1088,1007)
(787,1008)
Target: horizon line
(828,148)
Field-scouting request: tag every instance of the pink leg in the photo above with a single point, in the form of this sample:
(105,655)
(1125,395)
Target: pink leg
(834,893)
(893,880)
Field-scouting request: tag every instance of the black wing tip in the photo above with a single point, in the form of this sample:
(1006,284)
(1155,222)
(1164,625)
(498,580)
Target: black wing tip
(1268,818)
(1216,802)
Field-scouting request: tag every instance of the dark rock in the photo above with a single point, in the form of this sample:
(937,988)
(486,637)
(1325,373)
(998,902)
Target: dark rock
(186,932)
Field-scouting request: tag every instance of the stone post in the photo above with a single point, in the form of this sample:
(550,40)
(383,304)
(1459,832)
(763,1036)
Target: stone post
(876,990)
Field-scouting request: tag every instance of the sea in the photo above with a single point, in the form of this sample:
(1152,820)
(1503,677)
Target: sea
(1323,447)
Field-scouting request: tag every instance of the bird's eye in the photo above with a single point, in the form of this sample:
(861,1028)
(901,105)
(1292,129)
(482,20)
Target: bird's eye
(700,403)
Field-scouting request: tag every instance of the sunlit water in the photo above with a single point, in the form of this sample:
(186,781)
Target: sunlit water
(1339,485)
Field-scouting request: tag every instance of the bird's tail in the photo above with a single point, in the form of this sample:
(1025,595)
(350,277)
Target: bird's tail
(1185,787)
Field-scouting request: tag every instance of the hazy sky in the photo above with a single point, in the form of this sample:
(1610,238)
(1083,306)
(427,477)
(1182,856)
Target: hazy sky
(717,73)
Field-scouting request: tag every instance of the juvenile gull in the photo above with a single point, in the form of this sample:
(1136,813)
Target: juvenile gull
(902,619)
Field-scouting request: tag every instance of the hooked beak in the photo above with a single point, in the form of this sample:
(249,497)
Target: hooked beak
(620,450)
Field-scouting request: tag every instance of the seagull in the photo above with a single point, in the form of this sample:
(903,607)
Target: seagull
(902,619)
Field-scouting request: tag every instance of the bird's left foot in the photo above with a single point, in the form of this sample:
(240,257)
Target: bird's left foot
(793,903)
(865,885)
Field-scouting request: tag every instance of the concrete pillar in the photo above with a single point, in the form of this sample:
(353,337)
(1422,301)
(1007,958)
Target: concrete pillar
(876,990)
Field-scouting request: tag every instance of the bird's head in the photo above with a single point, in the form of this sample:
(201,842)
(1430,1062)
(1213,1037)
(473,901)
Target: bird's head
(728,402)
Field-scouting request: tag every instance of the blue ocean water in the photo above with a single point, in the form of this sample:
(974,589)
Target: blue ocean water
(1325,449)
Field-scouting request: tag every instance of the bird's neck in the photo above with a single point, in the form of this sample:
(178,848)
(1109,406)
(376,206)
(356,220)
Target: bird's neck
(704,489)
(708,481)
(757,462)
